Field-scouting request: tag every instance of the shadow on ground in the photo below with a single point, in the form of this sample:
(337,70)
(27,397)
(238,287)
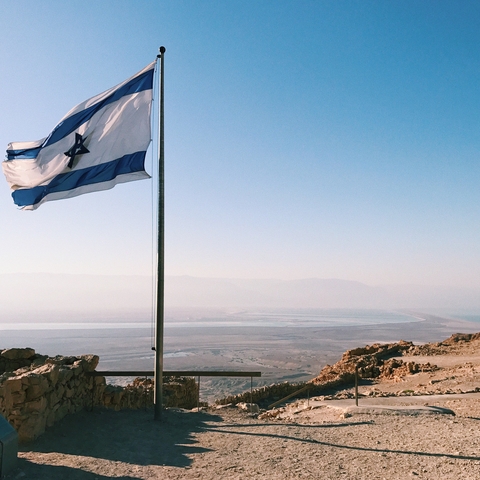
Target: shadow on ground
(225,429)
(131,437)
(32,471)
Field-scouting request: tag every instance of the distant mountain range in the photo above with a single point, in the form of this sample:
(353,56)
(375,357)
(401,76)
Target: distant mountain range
(312,293)
(87,293)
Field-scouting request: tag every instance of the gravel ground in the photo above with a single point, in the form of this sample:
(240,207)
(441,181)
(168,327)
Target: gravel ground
(230,444)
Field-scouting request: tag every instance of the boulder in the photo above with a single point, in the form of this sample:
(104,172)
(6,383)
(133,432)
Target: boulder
(18,353)
(91,362)
(249,407)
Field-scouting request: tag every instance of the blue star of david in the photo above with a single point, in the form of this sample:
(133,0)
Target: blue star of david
(78,149)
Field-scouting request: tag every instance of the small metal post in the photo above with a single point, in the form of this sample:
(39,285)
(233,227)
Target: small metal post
(198,395)
(356,385)
(251,390)
(308,397)
(145,393)
(94,383)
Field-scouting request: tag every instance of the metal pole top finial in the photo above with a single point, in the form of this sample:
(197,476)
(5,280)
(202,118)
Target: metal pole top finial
(162,49)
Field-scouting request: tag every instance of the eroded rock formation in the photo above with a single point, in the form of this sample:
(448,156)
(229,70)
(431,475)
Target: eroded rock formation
(372,361)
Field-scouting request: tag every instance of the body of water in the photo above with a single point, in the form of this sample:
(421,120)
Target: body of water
(248,318)
(300,318)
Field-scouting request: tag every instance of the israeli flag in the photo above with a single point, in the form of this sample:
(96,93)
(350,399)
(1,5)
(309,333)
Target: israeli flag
(98,144)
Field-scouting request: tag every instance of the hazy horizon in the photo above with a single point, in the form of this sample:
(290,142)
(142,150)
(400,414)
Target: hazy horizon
(97,295)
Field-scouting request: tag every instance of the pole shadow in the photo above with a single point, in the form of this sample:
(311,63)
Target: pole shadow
(128,436)
(29,470)
(226,429)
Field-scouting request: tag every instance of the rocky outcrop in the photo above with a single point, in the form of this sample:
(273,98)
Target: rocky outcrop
(453,345)
(372,361)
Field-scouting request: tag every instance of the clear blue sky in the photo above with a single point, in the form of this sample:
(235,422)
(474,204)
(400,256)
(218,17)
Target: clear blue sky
(330,139)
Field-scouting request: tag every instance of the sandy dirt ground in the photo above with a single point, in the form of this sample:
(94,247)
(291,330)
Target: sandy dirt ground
(232,445)
(318,438)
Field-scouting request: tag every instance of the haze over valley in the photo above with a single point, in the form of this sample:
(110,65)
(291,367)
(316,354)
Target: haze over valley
(124,297)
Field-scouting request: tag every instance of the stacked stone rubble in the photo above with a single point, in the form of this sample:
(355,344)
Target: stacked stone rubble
(263,395)
(37,391)
(139,394)
(179,392)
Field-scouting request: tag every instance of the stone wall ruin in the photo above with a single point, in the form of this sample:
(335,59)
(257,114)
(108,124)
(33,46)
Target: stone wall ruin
(36,391)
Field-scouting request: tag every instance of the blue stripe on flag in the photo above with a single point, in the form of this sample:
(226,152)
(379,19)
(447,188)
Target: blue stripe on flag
(23,154)
(68,181)
(70,124)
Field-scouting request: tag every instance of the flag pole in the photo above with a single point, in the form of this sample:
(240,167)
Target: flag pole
(158,392)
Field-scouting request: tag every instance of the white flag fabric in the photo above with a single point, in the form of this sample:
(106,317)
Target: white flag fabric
(98,144)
